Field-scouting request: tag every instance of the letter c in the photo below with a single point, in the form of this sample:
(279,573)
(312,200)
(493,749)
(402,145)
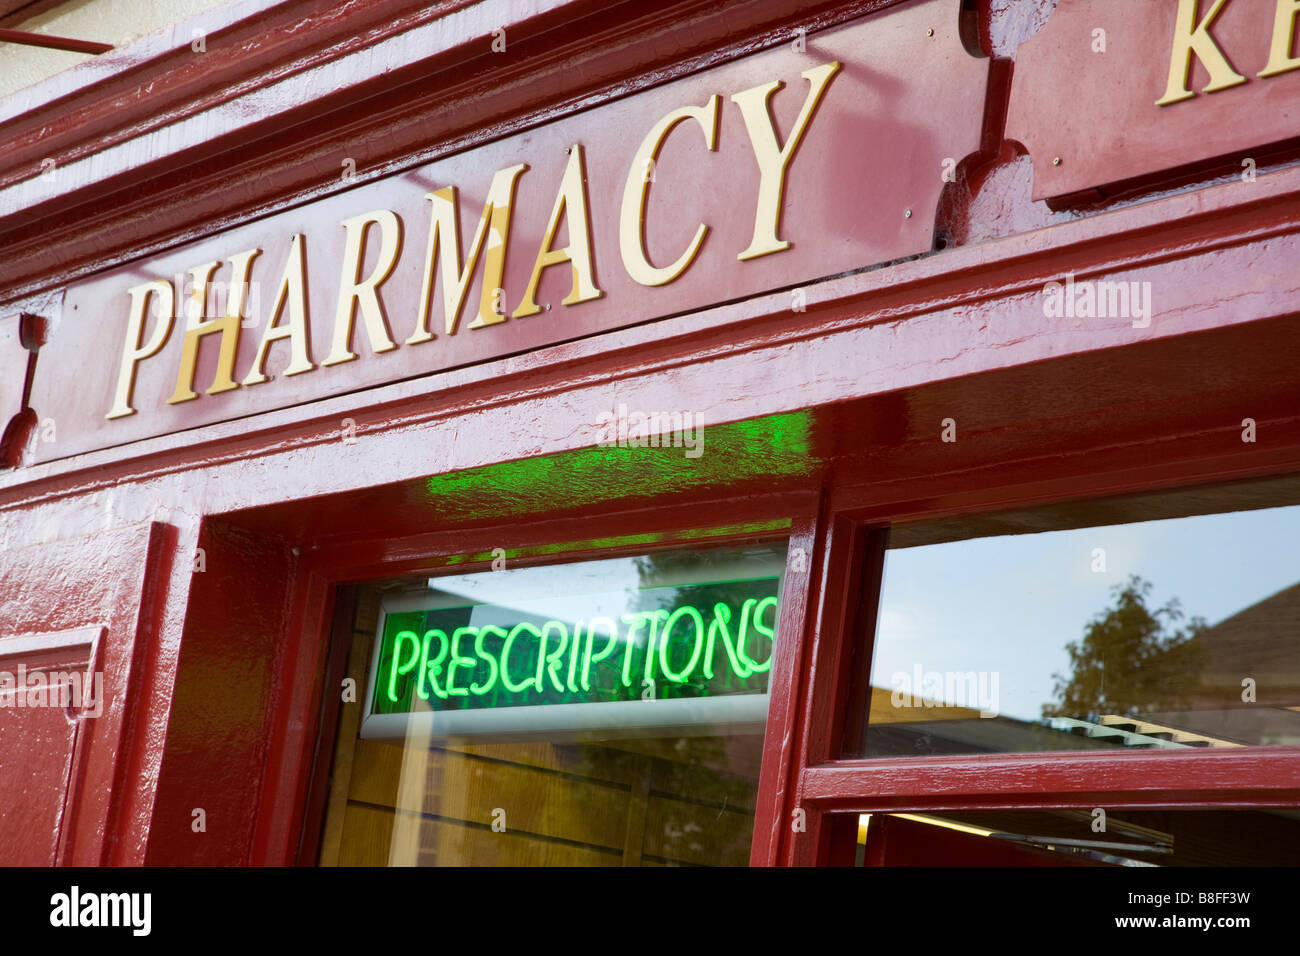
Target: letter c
(631,230)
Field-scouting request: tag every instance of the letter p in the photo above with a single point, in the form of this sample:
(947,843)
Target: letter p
(134,350)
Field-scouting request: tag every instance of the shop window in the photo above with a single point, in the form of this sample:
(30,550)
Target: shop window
(605,713)
(1164,622)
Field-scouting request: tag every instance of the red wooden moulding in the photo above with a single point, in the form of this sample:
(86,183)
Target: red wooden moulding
(288,832)
(78,791)
(847,204)
(1086,88)
(1242,777)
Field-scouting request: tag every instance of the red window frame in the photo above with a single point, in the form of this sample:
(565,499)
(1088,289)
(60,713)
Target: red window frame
(819,675)
(818,795)
(323,606)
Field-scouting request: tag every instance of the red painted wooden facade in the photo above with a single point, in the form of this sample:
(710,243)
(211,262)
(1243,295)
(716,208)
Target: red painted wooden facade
(216,680)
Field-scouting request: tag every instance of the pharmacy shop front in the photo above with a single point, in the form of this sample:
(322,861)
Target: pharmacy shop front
(764,433)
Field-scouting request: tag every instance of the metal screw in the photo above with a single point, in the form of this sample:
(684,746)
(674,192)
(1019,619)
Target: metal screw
(1056,161)
(908,214)
(930,32)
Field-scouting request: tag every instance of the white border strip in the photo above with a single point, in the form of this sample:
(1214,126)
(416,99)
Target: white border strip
(732,714)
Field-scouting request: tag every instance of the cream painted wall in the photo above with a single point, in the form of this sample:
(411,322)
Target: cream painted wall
(106,21)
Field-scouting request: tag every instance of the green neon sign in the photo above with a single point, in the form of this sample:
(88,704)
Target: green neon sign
(689,641)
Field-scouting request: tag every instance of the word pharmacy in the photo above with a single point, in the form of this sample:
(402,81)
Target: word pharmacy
(372,248)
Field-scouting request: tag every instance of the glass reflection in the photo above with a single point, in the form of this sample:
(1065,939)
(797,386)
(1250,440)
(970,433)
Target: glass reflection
(558,754)
(1174,633)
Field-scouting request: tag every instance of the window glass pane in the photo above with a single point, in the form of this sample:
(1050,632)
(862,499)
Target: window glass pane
(1114,837)
(605,713)
(1153,622)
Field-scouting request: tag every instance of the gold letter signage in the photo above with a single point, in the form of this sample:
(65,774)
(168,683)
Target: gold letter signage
(1181,83)
(772,171)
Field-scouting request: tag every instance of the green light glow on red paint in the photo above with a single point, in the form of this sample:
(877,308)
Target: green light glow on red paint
(775,446)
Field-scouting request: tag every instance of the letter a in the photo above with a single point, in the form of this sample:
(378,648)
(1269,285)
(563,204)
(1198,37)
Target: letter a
(571,203)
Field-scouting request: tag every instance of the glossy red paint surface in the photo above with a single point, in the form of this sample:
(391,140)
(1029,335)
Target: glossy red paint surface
(287,90)
(77,791)
(847,204)
(1084,99)
(828,419)
(228,668)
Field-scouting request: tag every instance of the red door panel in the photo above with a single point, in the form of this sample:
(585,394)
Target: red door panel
(76,611)
(36,751)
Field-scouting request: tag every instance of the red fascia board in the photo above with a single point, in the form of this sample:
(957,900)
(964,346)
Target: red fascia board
(154,153)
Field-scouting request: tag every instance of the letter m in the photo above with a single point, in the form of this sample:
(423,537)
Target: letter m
(444,252)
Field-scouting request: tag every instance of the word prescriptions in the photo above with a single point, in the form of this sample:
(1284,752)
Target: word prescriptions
(676,650)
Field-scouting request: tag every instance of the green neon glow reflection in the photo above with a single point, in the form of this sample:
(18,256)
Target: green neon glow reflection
(701,640)
(774,447)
